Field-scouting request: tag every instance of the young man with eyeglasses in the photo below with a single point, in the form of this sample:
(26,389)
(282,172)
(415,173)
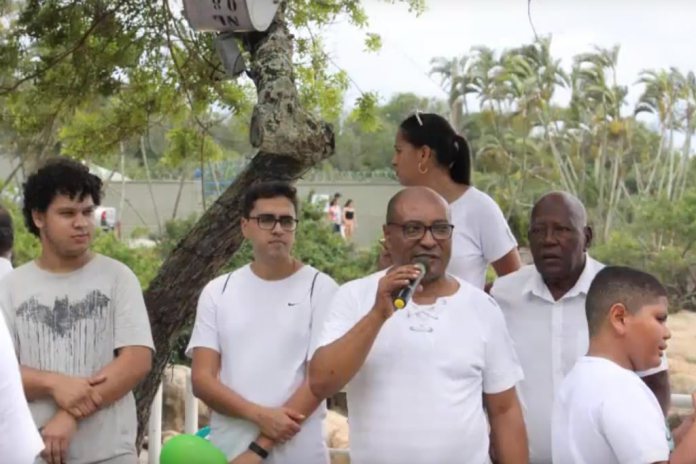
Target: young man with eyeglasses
(416,376)
(255,330)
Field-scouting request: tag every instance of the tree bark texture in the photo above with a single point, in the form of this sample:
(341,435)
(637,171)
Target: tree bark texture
(289,141)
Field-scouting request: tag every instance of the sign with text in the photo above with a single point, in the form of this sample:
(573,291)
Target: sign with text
(230,15)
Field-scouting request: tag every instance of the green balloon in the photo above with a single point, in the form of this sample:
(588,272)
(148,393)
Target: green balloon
(190,449)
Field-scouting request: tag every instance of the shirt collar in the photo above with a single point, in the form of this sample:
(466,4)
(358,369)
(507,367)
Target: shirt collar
(536,286)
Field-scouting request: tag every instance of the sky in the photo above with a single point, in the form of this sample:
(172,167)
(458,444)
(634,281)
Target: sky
(652,34)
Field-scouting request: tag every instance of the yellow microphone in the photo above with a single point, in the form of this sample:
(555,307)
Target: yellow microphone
(404,295)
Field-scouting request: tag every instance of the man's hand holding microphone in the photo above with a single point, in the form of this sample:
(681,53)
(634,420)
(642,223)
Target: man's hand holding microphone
(397,287)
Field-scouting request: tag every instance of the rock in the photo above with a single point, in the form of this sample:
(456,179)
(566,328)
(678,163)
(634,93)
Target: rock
(174,396)
(168,435)
(337,435)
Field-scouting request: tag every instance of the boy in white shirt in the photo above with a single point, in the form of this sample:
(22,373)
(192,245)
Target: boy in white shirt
(604,413)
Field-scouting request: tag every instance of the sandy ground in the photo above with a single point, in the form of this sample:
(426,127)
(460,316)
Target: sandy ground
(681,352)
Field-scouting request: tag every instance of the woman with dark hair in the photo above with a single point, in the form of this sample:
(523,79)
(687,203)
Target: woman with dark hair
(430,153)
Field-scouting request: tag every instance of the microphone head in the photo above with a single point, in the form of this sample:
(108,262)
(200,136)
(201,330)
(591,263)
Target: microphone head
(422,264)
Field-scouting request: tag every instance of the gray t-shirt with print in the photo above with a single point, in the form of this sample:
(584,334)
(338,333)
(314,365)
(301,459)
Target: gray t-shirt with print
(73,324)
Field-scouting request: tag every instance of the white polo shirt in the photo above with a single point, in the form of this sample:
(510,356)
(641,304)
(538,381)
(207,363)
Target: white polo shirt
(549,336)
(606,414)
(265,332)
(481,236)
(417,399)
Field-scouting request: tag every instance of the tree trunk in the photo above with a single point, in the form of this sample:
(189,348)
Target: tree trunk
(686,155)
(290,141)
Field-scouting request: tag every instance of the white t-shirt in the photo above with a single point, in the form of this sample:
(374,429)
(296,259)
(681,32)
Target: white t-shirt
(606,414)
(481,236)
(265,331)
(20,442)
(549,336)
(417,399)
(5,267)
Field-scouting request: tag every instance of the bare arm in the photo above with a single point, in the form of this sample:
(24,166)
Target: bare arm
(116,379)
(333,365)
(76,395)
(659,384)
(110,384)
(37,384)
(303,401)
(685,451)
(124,373)
(508,263)
(279,424)
(507,427)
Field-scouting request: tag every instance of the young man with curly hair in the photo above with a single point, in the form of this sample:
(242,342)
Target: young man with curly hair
(78,323)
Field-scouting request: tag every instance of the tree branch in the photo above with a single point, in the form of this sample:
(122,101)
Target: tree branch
(66,53)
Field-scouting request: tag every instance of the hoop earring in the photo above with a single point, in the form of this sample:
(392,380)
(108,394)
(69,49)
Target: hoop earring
(420,168)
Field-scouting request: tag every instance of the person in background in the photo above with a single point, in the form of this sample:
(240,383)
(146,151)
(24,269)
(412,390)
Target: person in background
(6,242)
(334,215)
(544,307)
(428,152)
(350,221)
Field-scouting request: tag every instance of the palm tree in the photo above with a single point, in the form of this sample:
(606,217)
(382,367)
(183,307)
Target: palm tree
(455,79)
(660,96)
(597,101)
(689,126)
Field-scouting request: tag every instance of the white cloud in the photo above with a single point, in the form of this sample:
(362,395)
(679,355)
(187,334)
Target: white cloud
(651,33)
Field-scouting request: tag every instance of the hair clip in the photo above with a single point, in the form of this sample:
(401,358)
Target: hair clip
(418,118)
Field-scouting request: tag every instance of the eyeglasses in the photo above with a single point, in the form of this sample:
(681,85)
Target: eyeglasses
(416,230)
(269,221)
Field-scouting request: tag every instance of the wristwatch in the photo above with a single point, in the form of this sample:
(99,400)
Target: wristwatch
(258,450)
